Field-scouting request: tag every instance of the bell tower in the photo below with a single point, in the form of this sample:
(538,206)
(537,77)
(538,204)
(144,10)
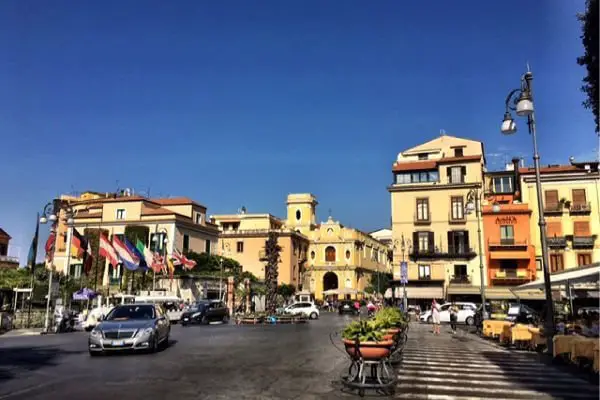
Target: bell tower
(301,212)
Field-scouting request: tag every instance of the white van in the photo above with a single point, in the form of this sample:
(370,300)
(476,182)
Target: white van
(171,304)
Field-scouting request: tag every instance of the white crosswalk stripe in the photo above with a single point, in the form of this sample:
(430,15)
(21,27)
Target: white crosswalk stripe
(466,367)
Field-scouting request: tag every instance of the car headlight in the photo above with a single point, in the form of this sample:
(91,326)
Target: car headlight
(145,331)
(96,333)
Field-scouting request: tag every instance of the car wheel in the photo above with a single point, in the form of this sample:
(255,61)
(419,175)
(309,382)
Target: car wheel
(313,315)
(165,343)
(469,321)
(429,320)
(155,345)
(225,318)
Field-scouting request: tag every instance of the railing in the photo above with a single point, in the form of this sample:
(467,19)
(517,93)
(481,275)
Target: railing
(238,232)
(460,279)
(9,259)
(452,252)
(583,241)
(580,208)
(507,243)
(553,208)
(422,219)
(513,274)
(456,181)
(557,241)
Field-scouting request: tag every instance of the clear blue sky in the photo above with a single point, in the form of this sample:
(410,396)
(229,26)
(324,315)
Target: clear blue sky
(241,102)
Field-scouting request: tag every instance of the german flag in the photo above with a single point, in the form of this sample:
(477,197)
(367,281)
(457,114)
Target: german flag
(79,244)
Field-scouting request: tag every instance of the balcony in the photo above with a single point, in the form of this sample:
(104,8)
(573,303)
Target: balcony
(9,259)
(453,252)
(460,280)
(580,208)
(453,219)
(422,219)
(456,181)
(507,244)
(512,276)
(553,208)
(584,242)
(557,242)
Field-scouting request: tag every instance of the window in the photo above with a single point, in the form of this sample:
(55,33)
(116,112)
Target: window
(157,241)
(458,242)
(75,271)
(460,271)
(584,259)
(507,234)
(312,255)
(121,214)
(424,244)
(240,247)
(457,174)
(116,272)
(186,243)
(457,207)
(554,229)
(424,272)
(207,246)
(423,156)
(422,209)
(502,184)
(417,177)
(298,215)
(556,262)
(579,197)
(3,249)
(330,254)
(581,228)
(458,152)
(551,199)
(347,254)
(199,219)
(509,267)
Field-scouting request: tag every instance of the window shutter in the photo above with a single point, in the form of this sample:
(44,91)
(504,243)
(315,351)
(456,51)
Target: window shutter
(450,242)
(415,242)
(467,246)
(551,197)
(463,173)
(553,229)
(578,196)
(449,174)
(431,242)
(581,228)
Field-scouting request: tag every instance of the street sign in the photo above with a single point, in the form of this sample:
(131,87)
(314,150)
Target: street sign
(404,272)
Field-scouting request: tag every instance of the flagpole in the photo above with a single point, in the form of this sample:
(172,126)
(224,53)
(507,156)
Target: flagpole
(68,264)
(33,258)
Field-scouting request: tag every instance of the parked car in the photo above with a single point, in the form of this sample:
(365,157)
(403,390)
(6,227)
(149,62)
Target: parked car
(522,313)
(203,312)
(466,313)
(130,327)
(308,309)
(347,307)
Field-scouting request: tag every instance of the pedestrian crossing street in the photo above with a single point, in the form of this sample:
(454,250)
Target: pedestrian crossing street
(463,366)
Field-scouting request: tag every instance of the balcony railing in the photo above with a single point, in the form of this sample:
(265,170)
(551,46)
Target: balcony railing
(580,208)
(422,219)
(457,219)
(553,208)
(507,244)
(518,274)
(460,280)
(557,241)
(238,232)
(460,180)
(453,252)
(580,242)
(9,259)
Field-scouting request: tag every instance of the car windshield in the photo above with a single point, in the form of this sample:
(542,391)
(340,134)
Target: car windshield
(199,306)
(137,311)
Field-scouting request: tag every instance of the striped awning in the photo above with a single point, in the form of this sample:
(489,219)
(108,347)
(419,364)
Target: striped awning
(426,292)
(509,255)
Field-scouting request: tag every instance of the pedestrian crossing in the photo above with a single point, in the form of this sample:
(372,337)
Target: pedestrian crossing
(463,366)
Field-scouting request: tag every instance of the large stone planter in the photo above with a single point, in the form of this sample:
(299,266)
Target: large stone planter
(371,351)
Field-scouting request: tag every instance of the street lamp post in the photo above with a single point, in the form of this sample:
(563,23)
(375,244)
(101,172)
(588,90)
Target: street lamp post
(51,216)
(474,205)
(522,98)
(224,251)
(157,247)
(405,244)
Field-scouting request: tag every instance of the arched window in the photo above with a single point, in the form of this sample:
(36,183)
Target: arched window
(330,254)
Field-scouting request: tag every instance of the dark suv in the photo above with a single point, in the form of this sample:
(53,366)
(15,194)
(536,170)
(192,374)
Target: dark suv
(347,306)
(203,312)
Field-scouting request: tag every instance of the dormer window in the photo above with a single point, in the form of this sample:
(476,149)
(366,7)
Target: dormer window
(199,219)
(458,152)
(423,156)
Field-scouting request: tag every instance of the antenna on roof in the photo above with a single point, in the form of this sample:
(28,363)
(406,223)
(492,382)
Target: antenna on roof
(528,69)
(442,132)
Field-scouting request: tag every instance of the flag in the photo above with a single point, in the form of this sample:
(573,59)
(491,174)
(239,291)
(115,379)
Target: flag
(33,249)
(182,260)
(78,244)
(88,258)
(49,247)
(137,254)
(171,267)
(158,263)
(108,251)
(129,259)
(146,253)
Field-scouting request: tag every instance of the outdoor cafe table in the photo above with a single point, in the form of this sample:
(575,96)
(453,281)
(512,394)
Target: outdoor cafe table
(493,328)
(537,339)
(583,347)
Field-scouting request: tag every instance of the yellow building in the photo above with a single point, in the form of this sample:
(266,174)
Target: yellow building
(315,257)
(242,237)
(571,210)
(428,196)
(177,223)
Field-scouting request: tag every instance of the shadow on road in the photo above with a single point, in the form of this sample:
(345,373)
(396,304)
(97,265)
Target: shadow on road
(29,359)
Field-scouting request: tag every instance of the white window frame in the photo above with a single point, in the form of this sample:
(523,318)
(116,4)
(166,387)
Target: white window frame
(423,269)
(121,213)
(423,239)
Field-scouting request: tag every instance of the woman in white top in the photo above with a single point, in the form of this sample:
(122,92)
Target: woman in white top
(435,317)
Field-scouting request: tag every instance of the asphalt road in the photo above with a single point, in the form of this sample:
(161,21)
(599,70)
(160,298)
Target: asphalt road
(202,362)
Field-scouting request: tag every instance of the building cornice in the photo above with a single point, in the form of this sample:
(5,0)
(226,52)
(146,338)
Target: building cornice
(436,186)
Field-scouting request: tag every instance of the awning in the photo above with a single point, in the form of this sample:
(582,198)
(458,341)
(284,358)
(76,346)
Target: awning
(427,292)
(590,273)
(509,255)
(464,289)
(341,291)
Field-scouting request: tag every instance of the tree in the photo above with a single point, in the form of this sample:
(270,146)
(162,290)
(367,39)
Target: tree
(379,280)
(286,290)
(589,38)
(272,250)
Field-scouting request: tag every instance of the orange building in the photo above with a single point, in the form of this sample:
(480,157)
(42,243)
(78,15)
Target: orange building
(507,230)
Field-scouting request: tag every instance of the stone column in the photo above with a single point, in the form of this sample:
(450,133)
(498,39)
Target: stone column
(248,296)
(230,294)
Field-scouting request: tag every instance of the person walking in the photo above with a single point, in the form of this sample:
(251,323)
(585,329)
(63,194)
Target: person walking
(435,317)
(453,317)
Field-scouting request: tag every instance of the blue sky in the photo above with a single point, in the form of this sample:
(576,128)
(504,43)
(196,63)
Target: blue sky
(241,102)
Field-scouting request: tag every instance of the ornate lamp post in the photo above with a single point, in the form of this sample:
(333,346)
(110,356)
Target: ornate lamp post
(49,215)
(474,205)
(159,248)
(520,100)
(405,244)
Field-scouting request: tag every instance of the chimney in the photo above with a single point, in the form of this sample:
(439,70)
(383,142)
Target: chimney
(517,184)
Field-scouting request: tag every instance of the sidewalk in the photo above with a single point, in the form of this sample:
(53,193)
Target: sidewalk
(21,332)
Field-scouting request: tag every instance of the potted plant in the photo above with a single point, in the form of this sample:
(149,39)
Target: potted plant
(366,339)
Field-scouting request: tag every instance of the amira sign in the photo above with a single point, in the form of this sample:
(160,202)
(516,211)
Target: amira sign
(508,220)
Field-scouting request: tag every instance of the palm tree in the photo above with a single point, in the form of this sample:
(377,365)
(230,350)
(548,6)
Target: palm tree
(272,250)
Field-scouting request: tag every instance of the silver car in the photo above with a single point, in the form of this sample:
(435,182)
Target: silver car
(130,327)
